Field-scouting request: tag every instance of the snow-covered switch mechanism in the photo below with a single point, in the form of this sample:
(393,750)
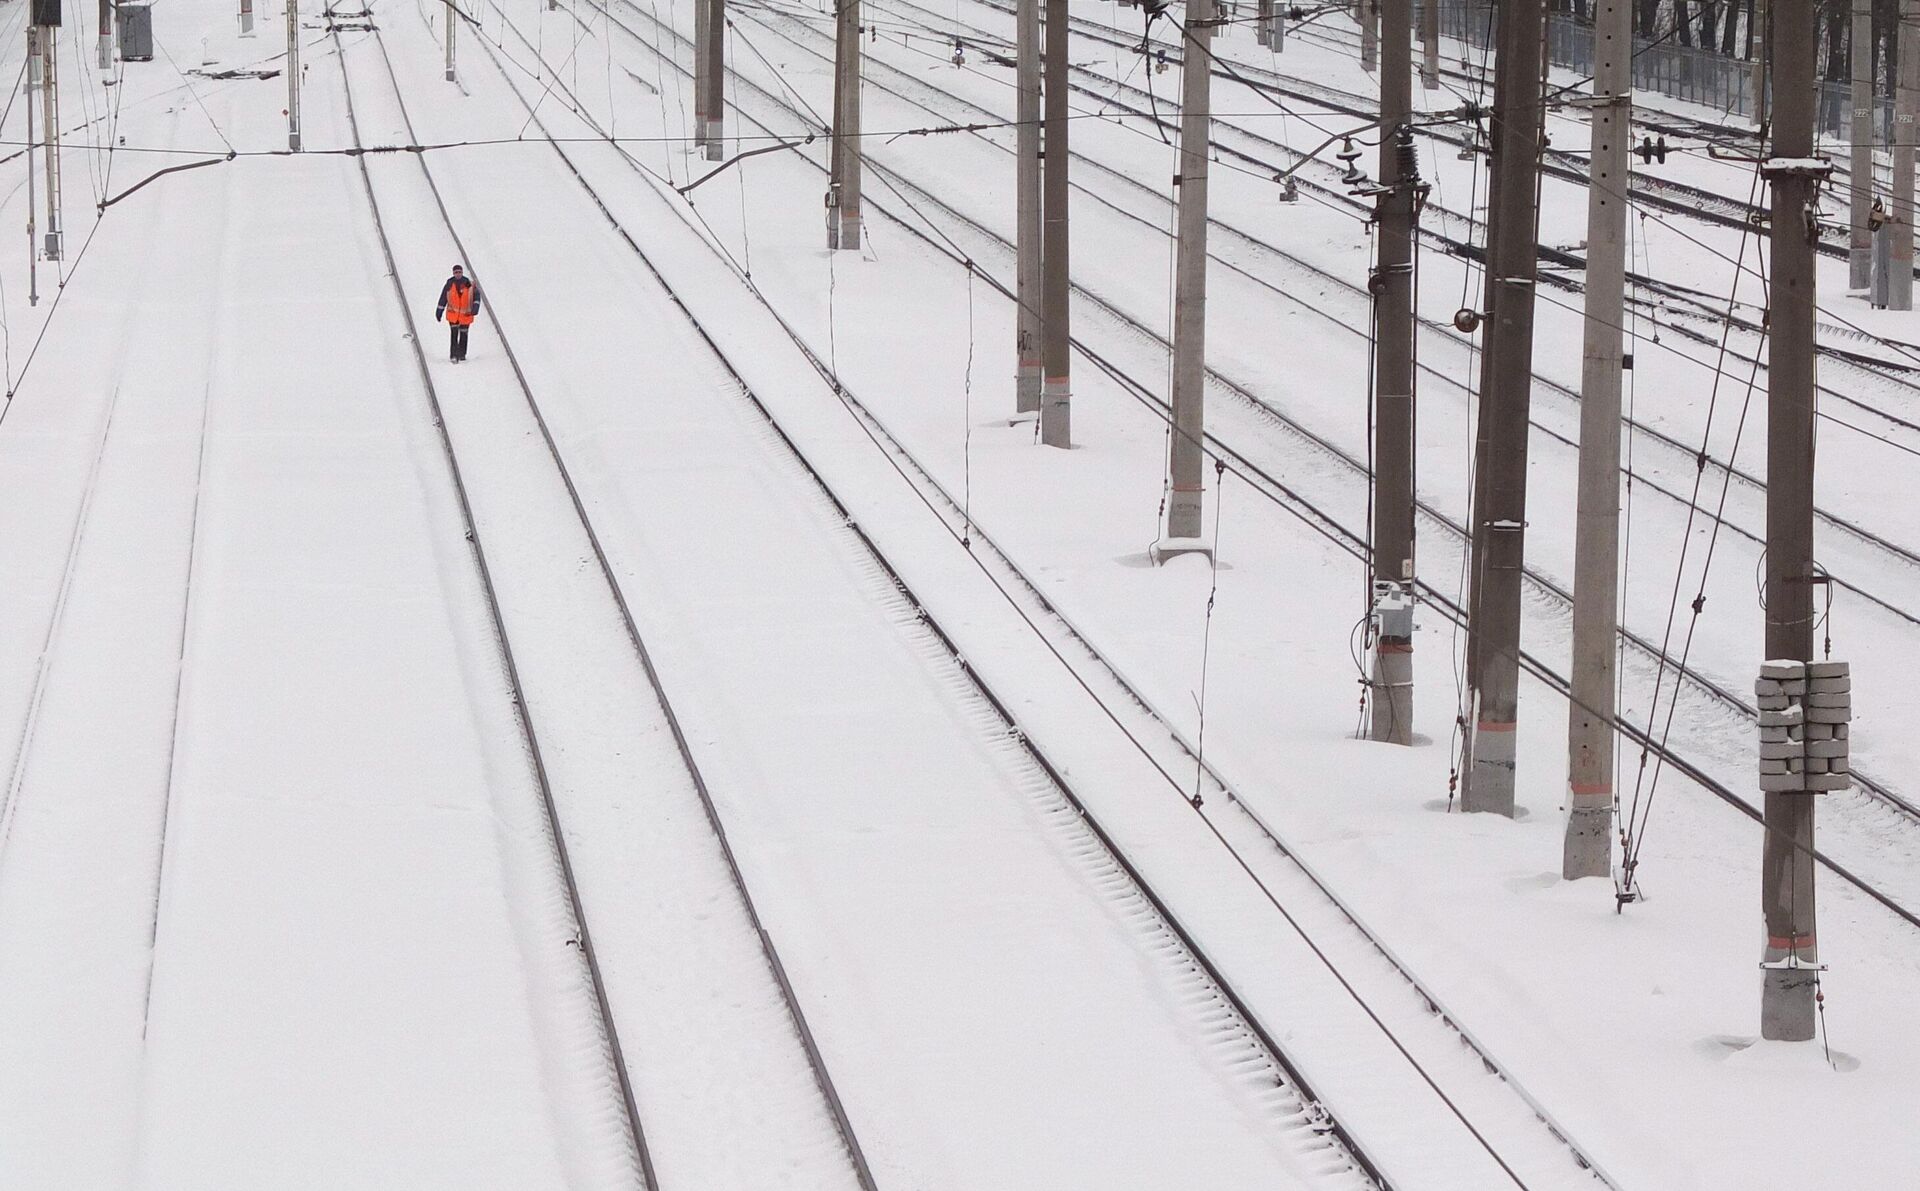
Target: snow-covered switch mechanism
(1806,709)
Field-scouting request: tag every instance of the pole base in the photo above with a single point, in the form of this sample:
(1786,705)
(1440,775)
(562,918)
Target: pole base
(1588,851)
(1172,547)
(1490,771)
(1183,516)
(1392,694)
(1026,390)
(1056,414)
(843,231)
(1787,1009)
(1860,269)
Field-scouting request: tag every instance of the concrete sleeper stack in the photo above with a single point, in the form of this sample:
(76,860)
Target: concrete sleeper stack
(1805,712)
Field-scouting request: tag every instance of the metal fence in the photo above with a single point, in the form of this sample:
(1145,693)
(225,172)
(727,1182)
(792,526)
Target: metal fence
(1683,72)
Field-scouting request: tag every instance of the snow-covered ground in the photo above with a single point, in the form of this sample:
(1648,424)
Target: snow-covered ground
(280,899)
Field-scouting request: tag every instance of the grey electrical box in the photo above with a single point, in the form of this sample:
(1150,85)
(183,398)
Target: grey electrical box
(136,32)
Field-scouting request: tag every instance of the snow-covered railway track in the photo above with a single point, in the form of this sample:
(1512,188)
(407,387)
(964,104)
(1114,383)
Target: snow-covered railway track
(1326,911)
(1291,1119)
(1668,305)
(696,977)
(1684,459)
(1864,873)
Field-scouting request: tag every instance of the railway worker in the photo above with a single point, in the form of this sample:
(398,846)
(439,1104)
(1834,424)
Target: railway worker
(460,303)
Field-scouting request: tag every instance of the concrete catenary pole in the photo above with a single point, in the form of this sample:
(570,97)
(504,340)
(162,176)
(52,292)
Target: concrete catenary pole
(1185,457)
(106,34)
(33,238)
(453,19)
(1787,893)
(1430,44)
(1056,348)
(1392,679)
(716,62)
(246,15)
(1906,127)
(1369,15)
(1027,234)
(1762,76)
(50,120)
(1860,244)
(843,186)
(1588,850)
(702,16)
(293,75)
(1501,517)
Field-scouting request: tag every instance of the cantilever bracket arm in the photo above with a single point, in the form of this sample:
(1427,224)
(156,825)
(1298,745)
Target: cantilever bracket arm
(1322,147)
(739,157)
(158,174)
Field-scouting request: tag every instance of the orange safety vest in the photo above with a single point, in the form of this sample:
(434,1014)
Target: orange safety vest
(460,303)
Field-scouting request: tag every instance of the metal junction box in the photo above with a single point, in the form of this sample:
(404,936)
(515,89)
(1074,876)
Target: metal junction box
(136,32)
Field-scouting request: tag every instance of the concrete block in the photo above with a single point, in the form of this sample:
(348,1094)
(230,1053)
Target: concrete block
(1781,668)
(1841,732)
(1786,783)
(1829,686)
(1817,732)
(1816,701)
(1827,781)
(1778,719)
(1828,669)
(1782,750)
(1771,702)
(1768,686)
(1825,748)
(1829,715)
(1813,765)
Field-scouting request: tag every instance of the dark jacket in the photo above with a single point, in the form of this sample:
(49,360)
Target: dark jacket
(472,304)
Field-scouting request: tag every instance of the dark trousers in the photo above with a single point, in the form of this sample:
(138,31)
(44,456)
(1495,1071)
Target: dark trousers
(457,350)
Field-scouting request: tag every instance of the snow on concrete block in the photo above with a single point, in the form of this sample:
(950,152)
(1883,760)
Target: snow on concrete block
(1778,668)
(1792,716)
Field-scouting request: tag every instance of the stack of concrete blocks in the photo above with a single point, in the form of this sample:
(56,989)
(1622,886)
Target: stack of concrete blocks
(1805,709)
